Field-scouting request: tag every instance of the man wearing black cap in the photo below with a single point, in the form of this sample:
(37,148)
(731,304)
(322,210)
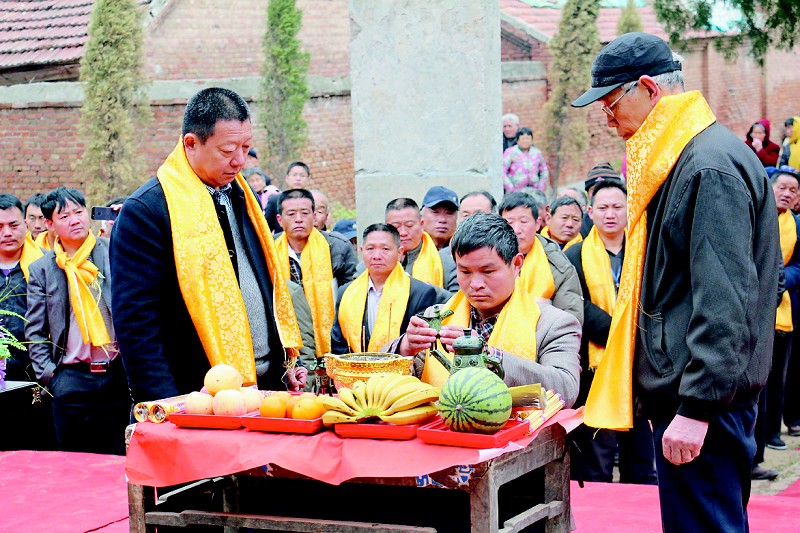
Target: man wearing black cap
(440,214)
(599,172)
(695,313)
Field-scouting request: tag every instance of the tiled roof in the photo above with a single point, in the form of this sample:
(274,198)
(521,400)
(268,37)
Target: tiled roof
(42,32)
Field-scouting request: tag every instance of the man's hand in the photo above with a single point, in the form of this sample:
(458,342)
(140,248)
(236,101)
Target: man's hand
(683,439)
(297,378)
(450,333)
(418,337)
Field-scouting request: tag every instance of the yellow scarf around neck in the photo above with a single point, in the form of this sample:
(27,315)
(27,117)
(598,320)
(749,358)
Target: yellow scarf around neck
(428,266)
(205,273)
(575,240)
(788,230)
(536,275)
(514,332)
(315,264)
(600,282)
(42,241)
(391,310)
(794,146)
(651,154)
(30,253)
(81,274)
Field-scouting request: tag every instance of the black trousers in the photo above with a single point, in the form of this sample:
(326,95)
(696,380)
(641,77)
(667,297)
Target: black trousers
(711,492)
(791,398)
(91,410)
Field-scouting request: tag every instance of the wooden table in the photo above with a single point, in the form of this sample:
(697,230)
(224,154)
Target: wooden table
(541,471)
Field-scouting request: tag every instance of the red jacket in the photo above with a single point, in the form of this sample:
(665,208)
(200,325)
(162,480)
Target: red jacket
(768,155)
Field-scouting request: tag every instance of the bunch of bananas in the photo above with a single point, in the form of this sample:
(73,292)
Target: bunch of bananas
(393,398)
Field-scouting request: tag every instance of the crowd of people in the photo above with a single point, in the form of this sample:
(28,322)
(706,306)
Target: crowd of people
(663,302)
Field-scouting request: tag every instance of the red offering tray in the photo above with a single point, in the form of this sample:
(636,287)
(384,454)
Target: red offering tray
(185,420)
(380,430)
(281,425)
(437,433)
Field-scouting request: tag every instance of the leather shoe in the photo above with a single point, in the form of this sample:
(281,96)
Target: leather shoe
(759,472)
(794,431)
(776,443)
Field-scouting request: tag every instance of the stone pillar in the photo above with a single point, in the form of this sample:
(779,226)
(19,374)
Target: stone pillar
(426,99)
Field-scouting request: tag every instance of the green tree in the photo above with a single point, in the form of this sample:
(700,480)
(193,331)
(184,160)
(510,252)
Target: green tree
(573,47)
(629,19)
(115,106)
(284,90)
(763,24)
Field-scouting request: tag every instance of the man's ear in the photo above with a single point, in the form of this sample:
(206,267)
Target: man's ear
(517,262)
(190,142)
(278,218)
(589,211)
(48,224)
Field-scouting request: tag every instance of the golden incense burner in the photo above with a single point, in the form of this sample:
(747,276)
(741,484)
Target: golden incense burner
(348,368)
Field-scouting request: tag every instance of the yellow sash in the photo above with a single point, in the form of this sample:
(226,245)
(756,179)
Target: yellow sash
(794,144)
(315,264)
(600,282)
(391,309)
(514,332)
(42,241)
(788,229)
(205,272)
(30,253)
(651,153)
(575,240)
(81,273)
(536,276)
(428,266)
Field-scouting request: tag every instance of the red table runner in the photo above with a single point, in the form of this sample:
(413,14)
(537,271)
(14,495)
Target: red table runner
(163,454)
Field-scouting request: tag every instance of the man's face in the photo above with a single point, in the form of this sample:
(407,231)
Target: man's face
(297,218)
(12,231)
(474,204)
(509,128)
(217,161)
(408,223)
(380,253)
(486,280)
(297,178)
(785,189)
(609,211)
(440,221)
(565,223)
(70,224)
(630,111)
(35,220)
(524,224)
(321,214)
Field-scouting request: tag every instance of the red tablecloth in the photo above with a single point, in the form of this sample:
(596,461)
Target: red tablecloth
(163,454)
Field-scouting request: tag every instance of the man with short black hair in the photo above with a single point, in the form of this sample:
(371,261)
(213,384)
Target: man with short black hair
(476,202)
(546,271)
(197,279)
(536,343)
(375,308)
(34,219)
(439,215)
(565,222)
(72,344)
(598,173)
(298,175)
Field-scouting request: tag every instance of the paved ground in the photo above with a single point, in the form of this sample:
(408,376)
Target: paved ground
(786,462)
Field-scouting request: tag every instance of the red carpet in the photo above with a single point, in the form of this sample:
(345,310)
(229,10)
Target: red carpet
(617,508)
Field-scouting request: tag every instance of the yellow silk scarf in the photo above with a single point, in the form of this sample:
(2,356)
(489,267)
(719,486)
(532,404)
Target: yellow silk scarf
(315,264)
(514,332)
(794,146)
(788,230)
(42,241)
(536,277)
(651,153)
(30,253)
(391,309)
(575,240)
(81,273)
(205,272)
(428,266)
(600,282)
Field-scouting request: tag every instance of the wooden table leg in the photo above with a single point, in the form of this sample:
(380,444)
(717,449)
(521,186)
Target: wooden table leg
(230,501)
(483,504)
(556,488)
(136,508)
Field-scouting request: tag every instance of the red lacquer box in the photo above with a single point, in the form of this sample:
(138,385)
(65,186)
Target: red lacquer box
(379,430)
(185,420)
(437,433)
(257,422)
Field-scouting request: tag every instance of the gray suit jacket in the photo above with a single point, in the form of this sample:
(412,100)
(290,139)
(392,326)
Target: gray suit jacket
(49,308)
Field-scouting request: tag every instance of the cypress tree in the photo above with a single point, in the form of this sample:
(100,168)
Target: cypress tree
(115,107)
(573,47)
(629,19)
(284,89)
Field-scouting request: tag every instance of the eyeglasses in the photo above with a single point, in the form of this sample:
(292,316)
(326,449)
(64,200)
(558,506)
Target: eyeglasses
(607,108)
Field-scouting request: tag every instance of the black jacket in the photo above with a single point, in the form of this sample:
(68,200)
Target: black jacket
(160,348)
(707,314)
(14,297)
(421,296)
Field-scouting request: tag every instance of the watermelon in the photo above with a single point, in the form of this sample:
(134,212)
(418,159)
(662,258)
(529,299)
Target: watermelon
(475,399)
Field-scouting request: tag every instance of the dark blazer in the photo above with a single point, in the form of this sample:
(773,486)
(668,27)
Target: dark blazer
(49,308)
(420,297)
(14,298)
(160,347)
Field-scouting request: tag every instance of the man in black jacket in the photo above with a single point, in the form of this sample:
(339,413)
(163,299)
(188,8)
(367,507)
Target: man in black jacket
(695,313)
(161,346)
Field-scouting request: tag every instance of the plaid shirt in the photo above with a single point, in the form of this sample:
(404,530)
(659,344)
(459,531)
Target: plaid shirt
(295,271)
(483,327)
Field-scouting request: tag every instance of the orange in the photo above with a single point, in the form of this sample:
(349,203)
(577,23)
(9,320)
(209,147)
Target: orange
(291,404)
(283,395)
(273,407)
(308,409)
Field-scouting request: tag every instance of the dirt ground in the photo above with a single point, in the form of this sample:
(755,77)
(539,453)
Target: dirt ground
(786,462)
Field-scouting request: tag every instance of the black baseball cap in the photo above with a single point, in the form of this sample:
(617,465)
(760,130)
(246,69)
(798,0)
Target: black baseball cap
(625,59)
